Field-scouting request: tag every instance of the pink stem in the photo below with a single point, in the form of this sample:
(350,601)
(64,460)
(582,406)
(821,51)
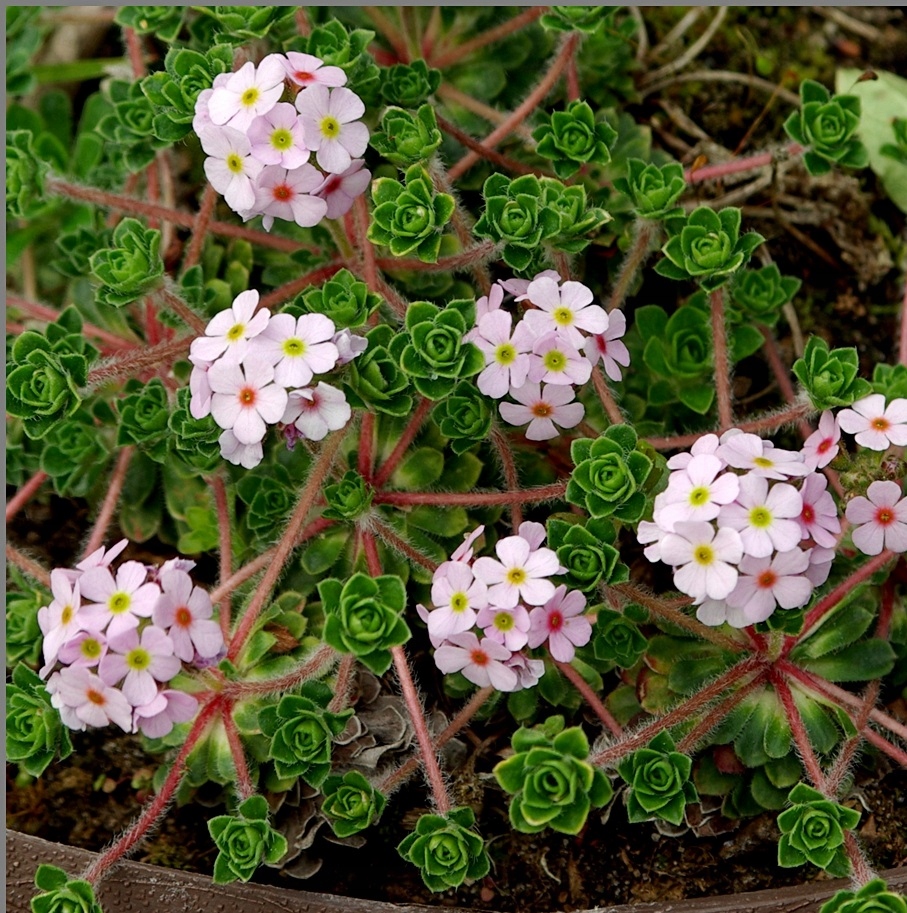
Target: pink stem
(447,58)
(43,312)
(294,287)
(366,445)
(158,805)
(24,494)
(592,699)
(406,438)
(342,685)
(510,475)
(226,550)
(387,535)
(633,261)
(200,229)
(27,566)
(604,394)
(710,172)
(244,785)
(137,360)
(114,488)
(722,361)
(798,730)
(497,158)
(316,666)
(463,260)
(454,499)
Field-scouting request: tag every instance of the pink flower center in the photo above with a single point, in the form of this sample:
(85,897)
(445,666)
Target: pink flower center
(479,657)
(182,617)
(767,579)
(555,621)
(601,344)
(303,76)
(332,184)
(808,514)
(95,697)
(824,445)
(541,410)
(881,423)
(247,396)
(282,193)
(884,516)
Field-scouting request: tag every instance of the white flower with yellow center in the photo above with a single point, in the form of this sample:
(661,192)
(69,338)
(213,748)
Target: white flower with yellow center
(297,347)
(249,93)
(229,332)
(230,167)
(567,309)
(330,126)
(767,519)
(696,492)
(703,560)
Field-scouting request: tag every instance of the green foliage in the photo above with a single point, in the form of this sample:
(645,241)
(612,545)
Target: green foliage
(410,219)
(164,22)
(301,731)
(23,633)
(827,125)
(127,129)
(610,475)
(409,84)
(653,189)
(364,617)
(35,734)
(351,803)
(707,246)
(577,219)
(24,34)
(432,351)
(587,552)
(62,894)
(241,24)
(76,454)
(194,442)
(245,841)
(25,174)
(576,18)
(42,387)
(898,149)
(659,781)
(268,491)
(446,849)
(552,783)
(405,138)
(174,90)
(761,293)
(376,380)
(131,267)
(342,298)
(464,417)
(812,830)
(890,380)
(873,897)
(349,498)
(572,138)
(76,248)
(144,416)
(616,639)
(516,213)
(830,377)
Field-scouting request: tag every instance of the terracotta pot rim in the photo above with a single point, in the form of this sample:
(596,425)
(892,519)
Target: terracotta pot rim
(136,885)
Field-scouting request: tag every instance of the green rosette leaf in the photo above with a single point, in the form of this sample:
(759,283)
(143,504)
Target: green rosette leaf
(654,190)
(873,897)
(343,299)
(131,268)
(349,498)
(572,138)
(351,803)
(409,84)
(406,138)
(245,840)
(60,894)
(35,733)
(830,376)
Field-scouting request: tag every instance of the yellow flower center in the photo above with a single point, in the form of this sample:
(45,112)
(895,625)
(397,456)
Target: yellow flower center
(699,496)
(704,555)
(516,576)
(234,163)
(281,139)
(119,603)
(763,462)
(459,602)
(138,659)
(235,332)
(91,648)
(250,96)
(760,517)
(66,615)
(563,316)
(293,347)
(555,360)
(504,354)
(503,621)
(330,127)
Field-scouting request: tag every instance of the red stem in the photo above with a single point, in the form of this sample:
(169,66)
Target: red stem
(226,550)
(295,286)
(200,229)
(474,499)
(24,494)
(316,666)
(138,360)
(400,448)
(798,730)
(612,410)
(114,488)
(389,537)
(504,161)
(645,229)
(502,445)
(157,806)
(722,361)
(244,785)
(366,445)
(27,566)
(447,58)
(43,312)
(463,260)
(342,685)
(592,699)
(738,166)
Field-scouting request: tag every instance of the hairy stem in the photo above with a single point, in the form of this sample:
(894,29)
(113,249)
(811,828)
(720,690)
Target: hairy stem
(24,494)
(798,730)
(343,683)
(398,544)
(609,404)
(644,232)
(226,549)
(27,566)
(366,445)
(295,286)
(406,438)
(114,489)
(135,361)
(592,699)
(474,499)
(502,445)
(739,166)
(317,665)
(722,361)
(43,312)
(448,58)
(244,786)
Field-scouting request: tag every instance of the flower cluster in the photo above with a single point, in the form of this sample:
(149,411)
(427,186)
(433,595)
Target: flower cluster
(113,642)
(514,604)
(259,147)
(551,349)
(252,369)
(746,526)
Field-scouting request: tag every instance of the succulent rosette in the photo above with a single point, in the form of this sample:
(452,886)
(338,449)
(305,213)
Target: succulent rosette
(659,781)
(873,897)
(245,841)
(351,803)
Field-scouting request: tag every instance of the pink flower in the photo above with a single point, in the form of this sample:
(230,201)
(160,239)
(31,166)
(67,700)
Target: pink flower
(246,455)
(708,443)
(339,191)
(120,603)
(534,533)
(184,612)
(509,627)
(330,119)
(481,662)
(305,70)
(696,492)
(767,519)
(761,458)
(821,447)
(765,583)
(314,411)
(650,534)
(169,707)
(230,166)
(555,360)
(875,426)
(456,595)
(608,347)
(528,671)
(882,517)
(289,195)
(506,359)
(820,562)
(543,409)
(61,620)
(202,117)
(819,517)
(228,333)
(102,557)
(249,93)
(487,304)
(298,347)
(560,621)
(199,388)
(139,663)
(519,288)
(276,138)
(83,700)
(520,574)
(463,552)
(348,345)
(244,398)
(87,648)
(567,310)
(703,559)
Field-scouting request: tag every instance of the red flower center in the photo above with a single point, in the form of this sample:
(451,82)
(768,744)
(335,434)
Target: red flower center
(182,617)
(332,184)
(824,445)
(601,344)
(95,697)
(282,193)
(555,621)
(767,579)
(881,423)
(479,657)
(541,410)
(303,76)
(884,516)
(247,396)
(808,514)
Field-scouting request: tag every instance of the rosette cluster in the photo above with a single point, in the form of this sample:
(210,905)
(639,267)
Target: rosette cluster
(489,612)
(746,527)
(252,369)
(113,642)
(551,350)
(259,146)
